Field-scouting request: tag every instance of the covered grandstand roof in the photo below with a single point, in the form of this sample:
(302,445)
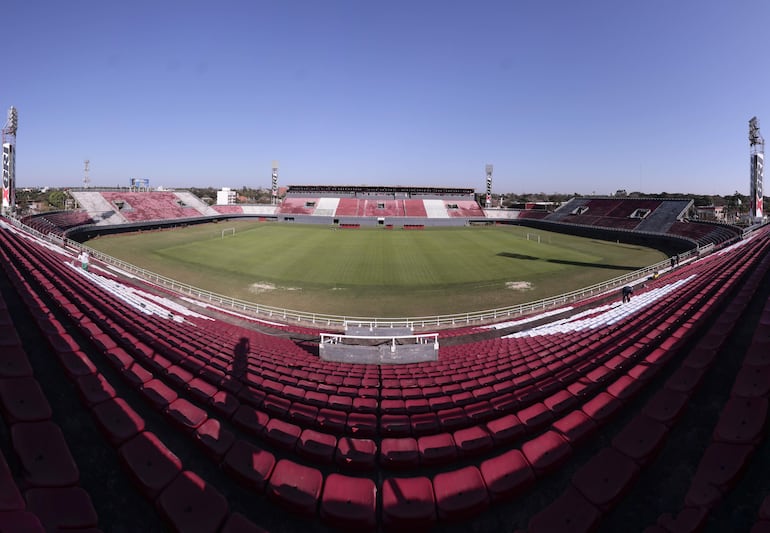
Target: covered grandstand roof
(377,189)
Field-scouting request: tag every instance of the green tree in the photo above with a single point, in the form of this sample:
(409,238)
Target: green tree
(56,199)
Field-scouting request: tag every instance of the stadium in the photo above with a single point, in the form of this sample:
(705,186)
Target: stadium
(134,401)
(138,400)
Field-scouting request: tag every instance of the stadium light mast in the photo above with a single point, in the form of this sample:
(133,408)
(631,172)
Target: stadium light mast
(757,151)
(488,170)
(9,161)
(86,178)
(274,189)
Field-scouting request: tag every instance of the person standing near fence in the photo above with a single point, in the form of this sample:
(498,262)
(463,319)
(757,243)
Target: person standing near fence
(84,258)
(627,292)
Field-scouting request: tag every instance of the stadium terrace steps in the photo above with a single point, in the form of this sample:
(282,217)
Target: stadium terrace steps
(435,209)
(149,206)
(99,208)
(190,200)
(440,430)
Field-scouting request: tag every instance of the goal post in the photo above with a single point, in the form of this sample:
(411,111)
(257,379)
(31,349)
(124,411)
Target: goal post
(226,231)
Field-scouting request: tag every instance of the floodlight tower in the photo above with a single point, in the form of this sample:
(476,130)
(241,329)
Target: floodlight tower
(274,190)
(757,151)
(488,169)
(9,161)
(86,178)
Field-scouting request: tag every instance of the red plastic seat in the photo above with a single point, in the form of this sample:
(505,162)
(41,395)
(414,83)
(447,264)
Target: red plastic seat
(186,415)
(362,424)
(569,513)
(249,463)
(14,363)
(435,449)
(408,503)
(742,421)
(10,497)
(282,434)
(685,379)
(507,475)
(473,440)
(118,420)
(640,438)
(317,446)
(137,375)
(224,403)
(460,493)
(359,454)
(237,523)
(666,406)
(452,418)
(158,393)
(250,419)
(752,382)
(296,487)
(94,388)
(213,438)
(191,504)
(718,469)
(45,459)
(21,521)
(201,389)
(22,400)
(547,451)
(560,402)
(62,509)
(575,426)
(332,421)
(605,477)
(152,465)
(399,452)
(76,364)
(395,425)
(505,429)
(424,423)
(601,407)
(365,405)
(179,376)
(349,503)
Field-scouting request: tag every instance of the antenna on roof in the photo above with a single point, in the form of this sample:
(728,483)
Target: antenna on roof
(488,170)
(757,154)
(274,189)
(86,178)
(9,161)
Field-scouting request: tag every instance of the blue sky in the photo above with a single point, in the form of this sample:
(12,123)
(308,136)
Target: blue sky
(561,96)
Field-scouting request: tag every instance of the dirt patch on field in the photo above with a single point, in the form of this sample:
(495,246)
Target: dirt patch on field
(263,287)
(519,286)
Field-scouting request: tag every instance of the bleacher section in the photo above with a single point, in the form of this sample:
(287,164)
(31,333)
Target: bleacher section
(146,206)
(666,214)
(59,222)
(460,208)
(190,200)
(326,207)
(298,206)
(201,424)
(228,209)
(415,208)
(435,209)
(647,215)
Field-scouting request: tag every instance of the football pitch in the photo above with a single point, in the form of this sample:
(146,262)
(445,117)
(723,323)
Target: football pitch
(377,272)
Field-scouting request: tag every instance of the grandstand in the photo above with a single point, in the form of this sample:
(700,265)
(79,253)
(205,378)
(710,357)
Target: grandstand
(358,206)
(198,419)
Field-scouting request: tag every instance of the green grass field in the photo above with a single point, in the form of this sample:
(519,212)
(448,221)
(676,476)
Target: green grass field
(378,272)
